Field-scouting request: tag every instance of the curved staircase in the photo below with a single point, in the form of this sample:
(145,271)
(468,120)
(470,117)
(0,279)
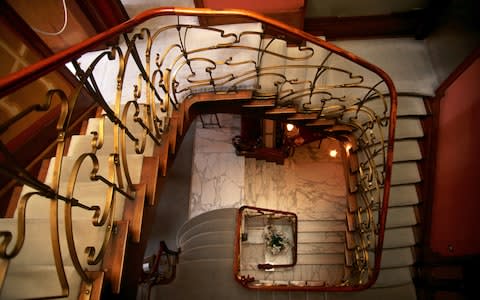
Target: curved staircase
(247,72)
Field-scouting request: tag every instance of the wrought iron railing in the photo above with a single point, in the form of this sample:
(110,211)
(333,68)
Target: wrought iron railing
(157,70)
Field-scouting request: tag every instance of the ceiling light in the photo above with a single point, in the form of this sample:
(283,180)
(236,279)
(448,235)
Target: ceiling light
(333,153)
(290,127)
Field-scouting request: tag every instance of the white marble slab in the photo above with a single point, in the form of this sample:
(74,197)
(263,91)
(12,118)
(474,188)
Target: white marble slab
(310,184)
(217,172)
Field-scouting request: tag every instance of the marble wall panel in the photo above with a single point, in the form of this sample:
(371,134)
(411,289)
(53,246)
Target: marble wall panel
(217,172)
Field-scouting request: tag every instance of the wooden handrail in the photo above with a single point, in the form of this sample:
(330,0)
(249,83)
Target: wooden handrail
(14,81)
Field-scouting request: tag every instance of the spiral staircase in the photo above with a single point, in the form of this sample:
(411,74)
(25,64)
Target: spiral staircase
(71,226)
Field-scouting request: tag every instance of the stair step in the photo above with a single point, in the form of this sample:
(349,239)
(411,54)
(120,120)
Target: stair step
(396,217)
(400,195)
(93,125)
(394,258)
(394,277)
(37,250)
(393,238)
(400,216)
(405,173)
(322,122)
(80,144)
(114,260)
(194,280)
(407,128)
(210,252)
(209,238)
(404,150)
(37,281)
(407,105)
(317,248)
(281,111)
(401,292)
(214,225)
(223,213)
(320,225)
(89,193)
(267,103)
(303,117)
(328,273)
(135,163)
(321,259)
(407,62)
(320,237)
(340,127)
(272,62)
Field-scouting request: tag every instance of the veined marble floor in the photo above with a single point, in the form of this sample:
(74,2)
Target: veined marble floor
(310,183)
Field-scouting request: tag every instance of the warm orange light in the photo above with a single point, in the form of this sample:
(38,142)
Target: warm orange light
(290,127)
(348,147)
(333,153)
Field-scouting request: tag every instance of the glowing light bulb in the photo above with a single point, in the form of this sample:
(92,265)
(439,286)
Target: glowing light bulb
(290,127)
(333,153)
(348,147)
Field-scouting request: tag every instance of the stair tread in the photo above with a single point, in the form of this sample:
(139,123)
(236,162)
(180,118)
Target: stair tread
(37,249)
(302,117)
(394,257)
(320,225)
(407,105)
(267,103)
(393,238)
(89,193)
(134,162)
(406,128)
(396,217)
(405,173)
(400,216)
(207,226)
(322,122)
(401,292)
(281,110)
(400,195)
(38,281)
(222,213)
(407,62)
(404,150)
(393,277)
(80,144)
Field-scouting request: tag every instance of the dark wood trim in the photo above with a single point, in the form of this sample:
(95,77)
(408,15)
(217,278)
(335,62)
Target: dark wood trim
(104,14)
(397,24)
(292,18)
(427,166)
(35,143)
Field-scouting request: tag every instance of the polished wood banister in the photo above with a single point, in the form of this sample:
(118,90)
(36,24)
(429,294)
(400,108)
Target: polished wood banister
(16,80)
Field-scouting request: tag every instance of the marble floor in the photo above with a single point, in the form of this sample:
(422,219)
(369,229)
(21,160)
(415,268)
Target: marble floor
(311,183)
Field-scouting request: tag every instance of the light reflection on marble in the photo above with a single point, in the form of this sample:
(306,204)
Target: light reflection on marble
(217,172)
(310,184)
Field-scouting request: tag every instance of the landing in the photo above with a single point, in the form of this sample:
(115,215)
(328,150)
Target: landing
(311,184)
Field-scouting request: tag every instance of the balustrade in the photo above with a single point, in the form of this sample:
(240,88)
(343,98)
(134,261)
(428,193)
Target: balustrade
(141,85)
